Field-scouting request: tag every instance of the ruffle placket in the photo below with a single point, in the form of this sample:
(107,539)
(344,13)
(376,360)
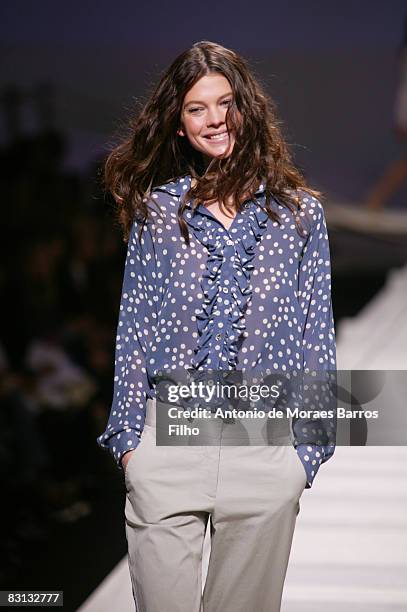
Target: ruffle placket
(246,233)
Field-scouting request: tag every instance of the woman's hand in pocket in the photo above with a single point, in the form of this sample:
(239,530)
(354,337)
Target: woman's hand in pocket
(126,458)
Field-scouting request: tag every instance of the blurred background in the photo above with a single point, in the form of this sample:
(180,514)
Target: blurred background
(70,74)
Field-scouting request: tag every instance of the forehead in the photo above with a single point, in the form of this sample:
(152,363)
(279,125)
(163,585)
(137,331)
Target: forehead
(211,85)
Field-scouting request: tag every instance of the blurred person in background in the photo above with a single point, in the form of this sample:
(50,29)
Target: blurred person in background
(395,175)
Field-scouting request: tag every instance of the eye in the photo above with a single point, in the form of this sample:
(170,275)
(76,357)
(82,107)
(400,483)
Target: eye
(197,109)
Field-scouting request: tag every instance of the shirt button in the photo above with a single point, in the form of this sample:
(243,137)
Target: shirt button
(229,242)
(225,290)
(218,336)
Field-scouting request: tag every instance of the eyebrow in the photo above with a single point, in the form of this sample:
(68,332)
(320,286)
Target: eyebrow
(199,102)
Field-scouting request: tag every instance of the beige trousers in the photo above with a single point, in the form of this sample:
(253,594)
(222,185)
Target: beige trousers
(250,495)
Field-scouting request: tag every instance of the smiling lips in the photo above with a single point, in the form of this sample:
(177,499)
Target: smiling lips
(218,137)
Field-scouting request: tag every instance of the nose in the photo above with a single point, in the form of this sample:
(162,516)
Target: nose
(215,117)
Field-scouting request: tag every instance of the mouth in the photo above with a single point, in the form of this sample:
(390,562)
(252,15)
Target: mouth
(220,137)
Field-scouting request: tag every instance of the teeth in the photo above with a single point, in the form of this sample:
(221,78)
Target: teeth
(218,136)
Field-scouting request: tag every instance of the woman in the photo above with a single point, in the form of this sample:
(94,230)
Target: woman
(227,270)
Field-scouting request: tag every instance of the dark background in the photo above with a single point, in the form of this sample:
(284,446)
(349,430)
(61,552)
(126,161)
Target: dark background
(331,67)
(70,74)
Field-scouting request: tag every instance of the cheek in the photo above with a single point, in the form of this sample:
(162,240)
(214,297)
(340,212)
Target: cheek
(194,126)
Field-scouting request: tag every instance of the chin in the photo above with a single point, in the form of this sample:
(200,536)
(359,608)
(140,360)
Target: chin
(220,154)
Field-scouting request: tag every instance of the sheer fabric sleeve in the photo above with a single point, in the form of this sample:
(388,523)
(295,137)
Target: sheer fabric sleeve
(135,331)
(315,438)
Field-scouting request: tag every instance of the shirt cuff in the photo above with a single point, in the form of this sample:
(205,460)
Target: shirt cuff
(121,443)
(329,450)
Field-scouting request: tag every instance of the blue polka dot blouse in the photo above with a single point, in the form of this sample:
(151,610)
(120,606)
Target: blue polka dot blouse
(256,296)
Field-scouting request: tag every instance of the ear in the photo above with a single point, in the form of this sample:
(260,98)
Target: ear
(180,132)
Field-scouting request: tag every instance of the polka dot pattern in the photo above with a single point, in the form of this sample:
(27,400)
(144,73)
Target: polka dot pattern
(254,297)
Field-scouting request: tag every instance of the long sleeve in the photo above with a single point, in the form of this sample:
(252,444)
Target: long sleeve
(315,437)
(135,330)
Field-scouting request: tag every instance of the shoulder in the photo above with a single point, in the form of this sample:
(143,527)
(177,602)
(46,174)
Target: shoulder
(161,208)
(164,200)
(161,226)
(309,205)
(161,205)
(310,212)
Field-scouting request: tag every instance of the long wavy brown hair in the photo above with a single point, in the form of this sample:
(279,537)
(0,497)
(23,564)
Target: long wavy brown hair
(152,153)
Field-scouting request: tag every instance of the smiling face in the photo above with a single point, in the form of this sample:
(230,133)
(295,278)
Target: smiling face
(203,117)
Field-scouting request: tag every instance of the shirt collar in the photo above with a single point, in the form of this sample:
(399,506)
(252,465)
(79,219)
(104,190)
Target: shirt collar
(181,185)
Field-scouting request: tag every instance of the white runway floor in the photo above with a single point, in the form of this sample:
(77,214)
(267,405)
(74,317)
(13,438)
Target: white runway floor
(349,551)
